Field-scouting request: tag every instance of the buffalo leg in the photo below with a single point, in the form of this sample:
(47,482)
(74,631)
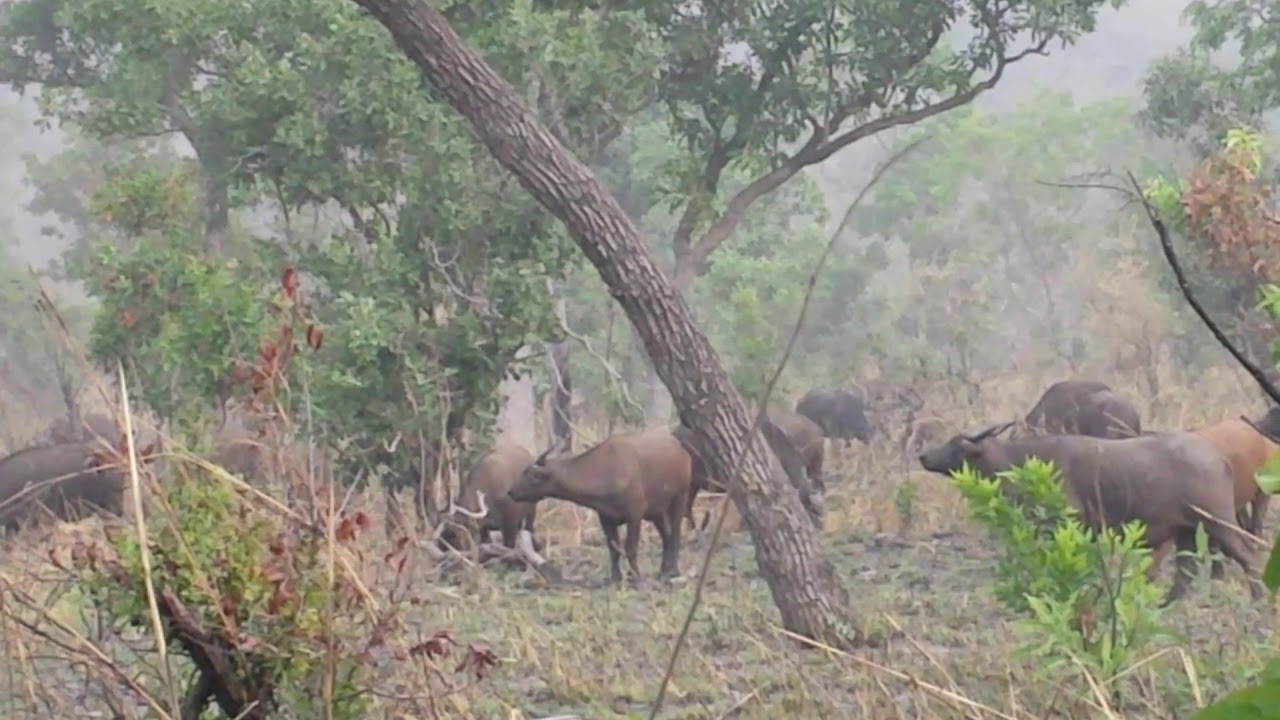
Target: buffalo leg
(633,545)
(1234,546)
(1158,554)
(1184,565)
(1258,512)
(1218,568)
(615,555)
(666,530)
(815,472)
(527,524)
(509,531)
(671,539)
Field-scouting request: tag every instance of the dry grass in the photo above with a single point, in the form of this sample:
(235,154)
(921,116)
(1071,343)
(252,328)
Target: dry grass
(591,650)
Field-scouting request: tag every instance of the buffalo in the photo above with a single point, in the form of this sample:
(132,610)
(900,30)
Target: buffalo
(484,499)
(839,413)
(627,479)
(1165,480)
(1084,407)
(69,479)
(797,459)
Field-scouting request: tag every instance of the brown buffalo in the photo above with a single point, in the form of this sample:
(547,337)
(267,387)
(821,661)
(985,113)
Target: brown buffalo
(484,493)
(626,479)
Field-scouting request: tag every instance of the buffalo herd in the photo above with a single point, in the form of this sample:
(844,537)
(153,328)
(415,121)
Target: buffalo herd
(1113,471)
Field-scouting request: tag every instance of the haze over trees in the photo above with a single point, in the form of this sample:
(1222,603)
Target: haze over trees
(437,176)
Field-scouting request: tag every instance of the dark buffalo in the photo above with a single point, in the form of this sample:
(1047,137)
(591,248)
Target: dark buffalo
(1105,414)
(1173,482)
(68,478)
(1084,407)
(839,413)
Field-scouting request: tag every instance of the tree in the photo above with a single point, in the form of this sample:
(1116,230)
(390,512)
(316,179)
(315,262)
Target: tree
(770,89)
(955,318)
(38,372)
(803,581)
(1193,98)
(1224,203)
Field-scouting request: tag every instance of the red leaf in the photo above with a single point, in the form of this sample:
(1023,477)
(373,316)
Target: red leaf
(278,599)
(438,645)
(241,372)
(480,659)
(346,530)
(289,281)
(315,337)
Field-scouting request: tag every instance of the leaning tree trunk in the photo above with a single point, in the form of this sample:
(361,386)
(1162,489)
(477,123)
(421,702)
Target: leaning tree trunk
(808,593)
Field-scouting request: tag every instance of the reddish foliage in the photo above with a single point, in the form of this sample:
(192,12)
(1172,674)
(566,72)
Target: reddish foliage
(397,548)
(479,660)
(438,645)
(277,348)
(289,283)
(1230,206)
(350,525)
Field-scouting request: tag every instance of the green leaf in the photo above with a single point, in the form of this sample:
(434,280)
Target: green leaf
(1268,476)
(1257,702)
(1271,572)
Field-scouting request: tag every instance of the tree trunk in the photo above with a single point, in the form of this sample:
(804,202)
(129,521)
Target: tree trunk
(802,579)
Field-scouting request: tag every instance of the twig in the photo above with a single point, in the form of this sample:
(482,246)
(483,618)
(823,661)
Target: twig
(762,410)
(144,550)
(1090,186)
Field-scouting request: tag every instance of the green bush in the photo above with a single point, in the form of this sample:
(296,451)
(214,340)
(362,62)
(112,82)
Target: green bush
(1083,596)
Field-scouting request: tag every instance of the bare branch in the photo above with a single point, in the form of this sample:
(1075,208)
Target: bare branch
(614,375)
(1090,186)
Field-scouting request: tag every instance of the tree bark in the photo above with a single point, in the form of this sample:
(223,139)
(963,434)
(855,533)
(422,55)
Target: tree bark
(809,595)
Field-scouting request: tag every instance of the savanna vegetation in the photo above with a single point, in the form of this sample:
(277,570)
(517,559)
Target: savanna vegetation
(322,255)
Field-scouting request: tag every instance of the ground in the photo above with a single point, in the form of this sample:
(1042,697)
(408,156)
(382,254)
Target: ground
(920,578)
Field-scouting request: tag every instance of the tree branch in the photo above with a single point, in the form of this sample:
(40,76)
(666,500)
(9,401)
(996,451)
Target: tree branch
(818,149)
(1161,232)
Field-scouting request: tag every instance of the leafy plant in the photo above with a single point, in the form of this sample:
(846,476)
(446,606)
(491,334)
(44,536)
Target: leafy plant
(1083,596)
(255,597)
